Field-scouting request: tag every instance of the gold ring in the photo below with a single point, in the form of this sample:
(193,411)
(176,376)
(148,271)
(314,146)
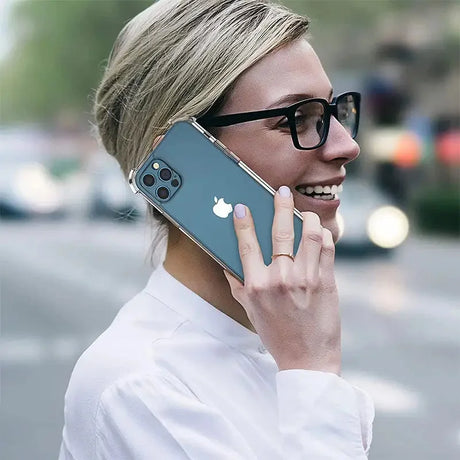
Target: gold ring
(289,254)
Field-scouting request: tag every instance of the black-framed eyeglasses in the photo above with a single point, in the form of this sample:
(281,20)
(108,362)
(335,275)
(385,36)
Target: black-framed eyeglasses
(308,120)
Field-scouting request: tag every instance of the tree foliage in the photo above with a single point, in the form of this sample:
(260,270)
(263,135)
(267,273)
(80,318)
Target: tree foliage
(58,56)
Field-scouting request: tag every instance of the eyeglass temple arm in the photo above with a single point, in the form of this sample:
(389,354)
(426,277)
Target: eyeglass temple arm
(233,119)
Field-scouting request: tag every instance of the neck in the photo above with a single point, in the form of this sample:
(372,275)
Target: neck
(195,269)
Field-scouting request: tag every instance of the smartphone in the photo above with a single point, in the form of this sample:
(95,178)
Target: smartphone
(195,182)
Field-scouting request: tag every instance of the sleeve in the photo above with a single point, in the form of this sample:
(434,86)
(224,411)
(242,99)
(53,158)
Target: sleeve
(322,416)
(159,417)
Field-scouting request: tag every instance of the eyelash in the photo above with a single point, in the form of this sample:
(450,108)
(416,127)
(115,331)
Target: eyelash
(286,123)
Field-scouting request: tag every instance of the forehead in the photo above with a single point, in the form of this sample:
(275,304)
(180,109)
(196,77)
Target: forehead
(293,69)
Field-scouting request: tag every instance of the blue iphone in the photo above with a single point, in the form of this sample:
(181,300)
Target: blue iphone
(195,181)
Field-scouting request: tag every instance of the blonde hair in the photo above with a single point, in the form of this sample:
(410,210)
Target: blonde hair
(179,58)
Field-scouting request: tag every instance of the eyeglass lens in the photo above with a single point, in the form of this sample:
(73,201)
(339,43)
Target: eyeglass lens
(310,120)
(347,112)
(310,124)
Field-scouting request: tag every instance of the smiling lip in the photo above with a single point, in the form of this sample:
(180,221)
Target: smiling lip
(333,181)
(308,203)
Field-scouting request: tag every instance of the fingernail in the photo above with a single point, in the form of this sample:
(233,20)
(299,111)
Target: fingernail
(240,211)
(284,191)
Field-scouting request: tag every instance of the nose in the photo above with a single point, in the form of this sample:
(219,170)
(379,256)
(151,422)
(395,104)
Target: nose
(339,144)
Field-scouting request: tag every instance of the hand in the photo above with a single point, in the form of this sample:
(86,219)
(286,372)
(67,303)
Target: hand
(293,305)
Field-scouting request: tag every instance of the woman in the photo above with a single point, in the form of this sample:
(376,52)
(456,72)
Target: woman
(198,365)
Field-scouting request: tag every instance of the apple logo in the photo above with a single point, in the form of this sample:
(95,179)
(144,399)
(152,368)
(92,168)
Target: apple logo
(221,208)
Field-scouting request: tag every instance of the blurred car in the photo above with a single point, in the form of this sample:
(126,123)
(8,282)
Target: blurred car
(28,190)
(368,220)
(110,196)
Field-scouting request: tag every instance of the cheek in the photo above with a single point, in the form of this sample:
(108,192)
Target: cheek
(268,153)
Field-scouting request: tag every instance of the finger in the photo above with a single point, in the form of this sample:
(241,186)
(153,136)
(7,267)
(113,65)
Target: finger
(326,263)
(237,289)
(236,286)
(248,245)
(308,253)
(283,224)
(157,140)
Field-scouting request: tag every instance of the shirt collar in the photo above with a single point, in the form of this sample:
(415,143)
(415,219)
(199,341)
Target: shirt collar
(176,296)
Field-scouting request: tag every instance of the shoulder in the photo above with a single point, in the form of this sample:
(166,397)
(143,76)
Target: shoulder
(125,348)
(120,366)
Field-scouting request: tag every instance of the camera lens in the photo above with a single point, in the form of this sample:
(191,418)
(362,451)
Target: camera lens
(174,182)
(163,193)
(148,180)
(165,174)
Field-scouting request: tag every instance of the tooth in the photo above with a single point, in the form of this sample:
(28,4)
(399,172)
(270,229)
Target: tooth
(301,190)
(325,197)
(326,189)
(334,189)
(318,188)
(340,188)
(309,190)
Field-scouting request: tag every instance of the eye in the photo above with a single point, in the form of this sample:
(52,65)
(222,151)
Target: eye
(284,124)
(300,119)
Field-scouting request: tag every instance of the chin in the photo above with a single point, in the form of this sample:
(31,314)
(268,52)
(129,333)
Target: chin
(333,226)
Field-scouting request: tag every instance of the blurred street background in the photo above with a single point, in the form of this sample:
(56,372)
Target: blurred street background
(74,239)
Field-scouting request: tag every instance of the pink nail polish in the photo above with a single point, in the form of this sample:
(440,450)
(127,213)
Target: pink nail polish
(240,211)
(284,191)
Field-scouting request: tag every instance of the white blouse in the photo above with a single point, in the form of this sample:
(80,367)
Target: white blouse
(175,378)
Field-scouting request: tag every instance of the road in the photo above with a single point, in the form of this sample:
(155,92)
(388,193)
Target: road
(62,283)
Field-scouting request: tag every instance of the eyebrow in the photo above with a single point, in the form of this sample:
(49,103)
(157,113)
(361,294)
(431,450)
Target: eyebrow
(292,98)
